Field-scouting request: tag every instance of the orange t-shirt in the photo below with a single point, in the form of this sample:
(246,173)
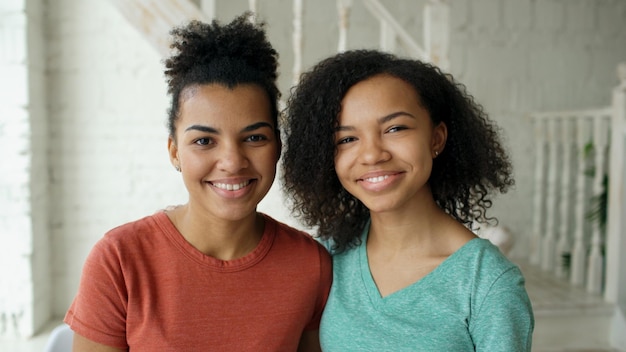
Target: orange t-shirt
(144,287)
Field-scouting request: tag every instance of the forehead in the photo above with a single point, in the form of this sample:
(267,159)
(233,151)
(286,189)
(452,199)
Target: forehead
(216,104)
(378,95)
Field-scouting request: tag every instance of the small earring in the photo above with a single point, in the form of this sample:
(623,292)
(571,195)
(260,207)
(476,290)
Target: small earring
(436,153)
(177,167)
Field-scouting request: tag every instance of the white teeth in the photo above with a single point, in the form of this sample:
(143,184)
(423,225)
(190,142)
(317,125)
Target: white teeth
(377,179)
(230,186)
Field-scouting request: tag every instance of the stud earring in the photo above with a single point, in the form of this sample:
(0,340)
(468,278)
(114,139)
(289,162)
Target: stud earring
(436,153)
(177,167)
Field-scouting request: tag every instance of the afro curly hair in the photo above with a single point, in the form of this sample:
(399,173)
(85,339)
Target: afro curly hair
(473,164)
(231,54)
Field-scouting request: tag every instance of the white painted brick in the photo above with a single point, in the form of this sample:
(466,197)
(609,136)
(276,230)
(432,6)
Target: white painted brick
(13,86)
(12,5)
(12,37)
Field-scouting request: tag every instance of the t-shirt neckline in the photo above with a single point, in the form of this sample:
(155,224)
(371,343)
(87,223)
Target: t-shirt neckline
(250,259)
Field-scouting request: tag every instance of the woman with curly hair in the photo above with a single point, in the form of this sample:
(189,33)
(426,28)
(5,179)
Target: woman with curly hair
(212,274)
(391,160)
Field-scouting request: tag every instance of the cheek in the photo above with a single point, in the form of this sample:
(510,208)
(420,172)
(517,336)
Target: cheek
(341,166)
(194,163)
(266,160)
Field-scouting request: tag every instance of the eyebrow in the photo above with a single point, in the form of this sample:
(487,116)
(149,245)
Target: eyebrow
(381,120)
(207,129)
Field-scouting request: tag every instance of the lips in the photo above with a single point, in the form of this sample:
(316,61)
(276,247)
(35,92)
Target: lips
(379,181)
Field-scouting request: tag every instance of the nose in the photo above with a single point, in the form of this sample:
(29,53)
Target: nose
(232,158)
(373,151)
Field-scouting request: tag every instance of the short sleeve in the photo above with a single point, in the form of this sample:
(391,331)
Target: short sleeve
(326,278)
(504,320)
(98,311)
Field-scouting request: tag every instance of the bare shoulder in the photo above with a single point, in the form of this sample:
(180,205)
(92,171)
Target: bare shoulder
(83,344)
(457,235)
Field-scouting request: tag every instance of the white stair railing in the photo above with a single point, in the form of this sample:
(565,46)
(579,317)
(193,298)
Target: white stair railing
(436,32)
(154,19)
(564,241)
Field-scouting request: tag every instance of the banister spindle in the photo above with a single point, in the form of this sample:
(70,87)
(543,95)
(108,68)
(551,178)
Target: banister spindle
(563,244)
(579,252)
(549,246)
(252,6)
(297,41)
(343,7)
(538,201)
(596,257)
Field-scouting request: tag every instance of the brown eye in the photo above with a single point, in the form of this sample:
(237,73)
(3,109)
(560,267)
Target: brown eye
(346,140)
(396,129)
(256,138)
(203,141)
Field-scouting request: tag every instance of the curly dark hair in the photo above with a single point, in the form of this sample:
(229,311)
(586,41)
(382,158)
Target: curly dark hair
(231,54)
(473,163)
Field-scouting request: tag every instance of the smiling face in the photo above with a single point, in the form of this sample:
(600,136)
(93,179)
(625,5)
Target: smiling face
(386,143)
(226,147)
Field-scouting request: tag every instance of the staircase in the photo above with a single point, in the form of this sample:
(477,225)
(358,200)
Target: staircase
(575,268)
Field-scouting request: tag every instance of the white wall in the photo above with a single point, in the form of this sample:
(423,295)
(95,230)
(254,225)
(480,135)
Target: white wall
(24,230)
(108,138)
(106,134)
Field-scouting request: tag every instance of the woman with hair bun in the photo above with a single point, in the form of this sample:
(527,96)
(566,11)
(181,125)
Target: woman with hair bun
(212,274)
(391,160)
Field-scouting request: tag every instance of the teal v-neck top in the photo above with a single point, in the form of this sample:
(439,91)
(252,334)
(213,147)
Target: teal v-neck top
(475,300)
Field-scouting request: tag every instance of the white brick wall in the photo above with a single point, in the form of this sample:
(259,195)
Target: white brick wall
(108,138)
(24,253)
(15,270)
(98,145)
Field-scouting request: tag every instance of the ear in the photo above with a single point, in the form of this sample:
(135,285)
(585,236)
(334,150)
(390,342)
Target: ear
(173,152)
(440,136)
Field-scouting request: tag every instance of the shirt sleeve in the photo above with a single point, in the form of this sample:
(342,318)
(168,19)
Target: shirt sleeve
(326,278)
(98,311)
(504,320)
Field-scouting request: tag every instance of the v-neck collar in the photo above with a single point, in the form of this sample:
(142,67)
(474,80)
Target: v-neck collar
(389,301)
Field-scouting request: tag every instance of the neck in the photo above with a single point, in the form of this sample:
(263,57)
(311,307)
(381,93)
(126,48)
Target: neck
(420,225)
(424,232)
(402,232)
(417,211)
(219,238)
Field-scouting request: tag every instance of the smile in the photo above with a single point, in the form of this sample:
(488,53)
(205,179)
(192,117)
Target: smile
(376,179)
(231,186)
